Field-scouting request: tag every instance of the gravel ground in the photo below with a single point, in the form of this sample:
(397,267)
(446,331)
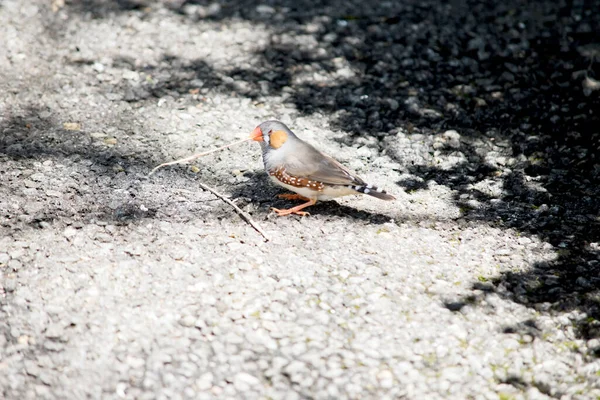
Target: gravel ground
(479,282)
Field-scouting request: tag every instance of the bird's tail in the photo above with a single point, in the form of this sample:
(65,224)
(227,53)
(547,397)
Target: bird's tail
(372,190)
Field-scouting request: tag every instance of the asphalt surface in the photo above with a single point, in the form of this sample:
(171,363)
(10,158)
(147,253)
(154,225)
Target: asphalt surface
(481,281)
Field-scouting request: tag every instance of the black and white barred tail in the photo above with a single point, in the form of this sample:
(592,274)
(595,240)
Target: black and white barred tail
(372,190)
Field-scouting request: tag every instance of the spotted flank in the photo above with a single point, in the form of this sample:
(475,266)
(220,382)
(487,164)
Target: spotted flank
(372,190)
(298,182)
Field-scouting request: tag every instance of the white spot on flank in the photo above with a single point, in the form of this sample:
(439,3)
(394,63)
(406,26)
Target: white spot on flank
(366,191)
(357,188)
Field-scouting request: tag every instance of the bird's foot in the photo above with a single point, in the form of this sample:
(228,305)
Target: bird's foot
(295,210)
(281,213)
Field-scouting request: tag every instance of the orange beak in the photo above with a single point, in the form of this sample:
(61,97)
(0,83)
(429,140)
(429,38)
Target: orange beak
(257,134)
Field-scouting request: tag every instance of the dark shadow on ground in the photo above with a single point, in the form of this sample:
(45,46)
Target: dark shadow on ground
(98,182)
(497,72)
(28,133)
(259,189)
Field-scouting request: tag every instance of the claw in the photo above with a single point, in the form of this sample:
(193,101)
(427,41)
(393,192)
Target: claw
(281,213)
(295,210)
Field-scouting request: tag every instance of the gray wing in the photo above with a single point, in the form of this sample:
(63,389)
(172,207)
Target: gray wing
(320,167)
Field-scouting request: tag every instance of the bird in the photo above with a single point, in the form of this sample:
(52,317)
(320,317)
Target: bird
(301,168)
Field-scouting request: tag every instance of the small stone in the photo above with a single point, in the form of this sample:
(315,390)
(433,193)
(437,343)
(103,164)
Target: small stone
(453,138)
(479,102)
(205,381)
(393,103)
(53,193)
(363,151)
(25,340)
(453,374)
(295,367)
(385,378)
(4,258)
(15,265)
(581,281)
(54,331)
(38,177)
(10,285)
(51,345)
(131,75)
(72,126)
(213,9)
(31,184)
(42,392)
(31,368)
(278,295)
(187,321)
(265,9)
(46,379)
(244,381)
(136,362)
(70,232)
(593,343)
(98,67)
(346,73)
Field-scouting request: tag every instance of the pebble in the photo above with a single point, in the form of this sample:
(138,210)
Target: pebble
(53,193)
(4,258)
(453,138)
(187,321)
(295,367)
(131,75)
(393,103)
(31,184)
(31,368)
(51,345)
(244,381)
(205,381)
(10,285)
(38,177)
(15,265)
(98,67)
(265,9)
(385,378)
(175,297)
(54,331)
(70,232)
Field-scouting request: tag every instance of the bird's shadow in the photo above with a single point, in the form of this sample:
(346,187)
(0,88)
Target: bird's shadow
(259,189)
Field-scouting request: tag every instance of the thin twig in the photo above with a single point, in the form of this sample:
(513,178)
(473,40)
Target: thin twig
(242,213)
(245,216)
(192,158)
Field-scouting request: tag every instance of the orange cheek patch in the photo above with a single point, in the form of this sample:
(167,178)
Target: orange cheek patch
(277,139)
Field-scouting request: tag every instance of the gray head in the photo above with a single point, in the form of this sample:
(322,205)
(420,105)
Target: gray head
(272,134)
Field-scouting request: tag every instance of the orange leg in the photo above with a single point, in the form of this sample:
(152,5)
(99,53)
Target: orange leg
(295,210)
(292,196)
